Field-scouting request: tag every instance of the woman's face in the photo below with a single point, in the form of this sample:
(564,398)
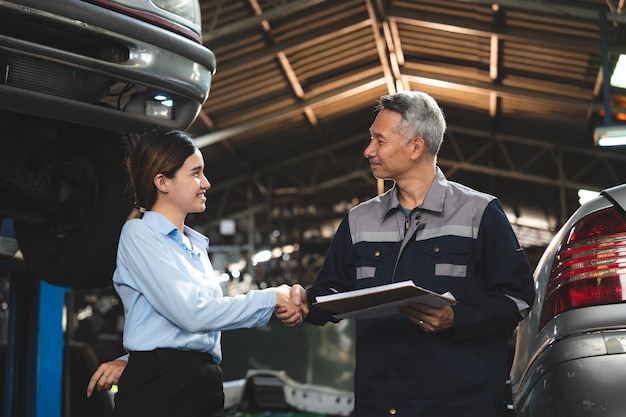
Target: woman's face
(188,187)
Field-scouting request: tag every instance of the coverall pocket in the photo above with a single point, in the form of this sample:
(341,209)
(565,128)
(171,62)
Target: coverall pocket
(449,259)
(371,258)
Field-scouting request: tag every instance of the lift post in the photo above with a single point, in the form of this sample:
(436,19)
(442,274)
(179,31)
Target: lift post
(34,350)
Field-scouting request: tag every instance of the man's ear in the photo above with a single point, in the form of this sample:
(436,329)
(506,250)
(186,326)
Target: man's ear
(161,183)
(418,147)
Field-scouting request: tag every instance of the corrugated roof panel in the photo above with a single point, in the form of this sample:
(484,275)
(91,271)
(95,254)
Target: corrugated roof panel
(557,24)
(535,109)
(437,45)
(318,19)
(334,56)
(306,74)
(365,99)
(453,9)
(572,70)
(218,13)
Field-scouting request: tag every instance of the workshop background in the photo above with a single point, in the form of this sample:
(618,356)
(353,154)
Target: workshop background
(286,122)
(283,132)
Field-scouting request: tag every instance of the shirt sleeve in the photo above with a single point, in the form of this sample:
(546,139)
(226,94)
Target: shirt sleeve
(507,274)
(150,270)
(338,273)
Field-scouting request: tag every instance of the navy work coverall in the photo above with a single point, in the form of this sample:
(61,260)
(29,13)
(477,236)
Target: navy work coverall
(458,240)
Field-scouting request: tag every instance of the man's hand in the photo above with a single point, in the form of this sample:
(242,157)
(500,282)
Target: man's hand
(107,374)
(293,314)
(429,319)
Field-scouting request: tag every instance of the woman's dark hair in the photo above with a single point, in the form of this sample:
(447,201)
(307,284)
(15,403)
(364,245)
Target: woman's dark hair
(158,151)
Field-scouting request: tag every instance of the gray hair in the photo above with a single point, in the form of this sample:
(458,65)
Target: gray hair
(421,116)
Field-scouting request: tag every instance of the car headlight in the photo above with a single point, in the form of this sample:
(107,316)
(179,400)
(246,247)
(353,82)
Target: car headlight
(188,9)
(183,12)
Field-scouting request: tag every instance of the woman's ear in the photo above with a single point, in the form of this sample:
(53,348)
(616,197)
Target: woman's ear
(161,183)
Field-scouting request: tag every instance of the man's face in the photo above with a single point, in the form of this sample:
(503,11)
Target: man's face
(387,152)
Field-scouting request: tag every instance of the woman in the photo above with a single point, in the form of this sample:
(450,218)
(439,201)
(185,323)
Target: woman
(173,304)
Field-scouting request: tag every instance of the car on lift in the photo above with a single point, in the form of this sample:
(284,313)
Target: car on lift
(570,352)
(79,79)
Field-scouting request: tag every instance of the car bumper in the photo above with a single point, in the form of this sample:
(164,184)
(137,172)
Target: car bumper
(578,375)
(90,47)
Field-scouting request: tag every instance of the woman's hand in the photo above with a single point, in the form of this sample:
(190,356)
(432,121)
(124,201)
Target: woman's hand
(291,305)
(107,374)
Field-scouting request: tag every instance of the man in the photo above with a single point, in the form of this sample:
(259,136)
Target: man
(447,361)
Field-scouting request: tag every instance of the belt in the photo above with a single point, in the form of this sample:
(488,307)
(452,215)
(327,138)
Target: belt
(171,353)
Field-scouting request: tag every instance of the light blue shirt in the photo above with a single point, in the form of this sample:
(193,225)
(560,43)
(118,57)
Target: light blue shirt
(171,296)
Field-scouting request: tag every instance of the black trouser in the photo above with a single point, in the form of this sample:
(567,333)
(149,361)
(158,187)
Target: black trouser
(170,383)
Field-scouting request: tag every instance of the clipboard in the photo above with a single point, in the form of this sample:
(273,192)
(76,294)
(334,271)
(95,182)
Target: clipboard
(381,300)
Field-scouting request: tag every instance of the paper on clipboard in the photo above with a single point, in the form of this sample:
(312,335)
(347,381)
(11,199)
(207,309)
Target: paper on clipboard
(381,300)
(394,306)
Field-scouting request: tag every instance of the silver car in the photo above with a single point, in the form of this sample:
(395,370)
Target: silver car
(570,355)
(120,65)
(78,79)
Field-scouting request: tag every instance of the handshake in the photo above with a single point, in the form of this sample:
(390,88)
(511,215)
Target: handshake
(291,304)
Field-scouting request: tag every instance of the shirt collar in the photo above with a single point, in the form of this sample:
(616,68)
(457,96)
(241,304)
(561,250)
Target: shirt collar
(436,193)
(167,228)
(433,201)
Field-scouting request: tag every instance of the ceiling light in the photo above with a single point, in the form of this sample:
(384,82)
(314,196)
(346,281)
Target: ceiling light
(262,256)
(618,78)
(228,227)
(610,135)
(586,195)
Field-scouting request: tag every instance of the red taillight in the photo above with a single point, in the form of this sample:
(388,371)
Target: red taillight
(590,265)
